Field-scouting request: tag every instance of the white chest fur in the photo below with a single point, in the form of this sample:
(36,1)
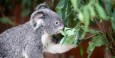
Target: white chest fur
(46,38)
(49,46)
(25,54)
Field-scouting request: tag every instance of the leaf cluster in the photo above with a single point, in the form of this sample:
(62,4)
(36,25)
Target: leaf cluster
(80,15)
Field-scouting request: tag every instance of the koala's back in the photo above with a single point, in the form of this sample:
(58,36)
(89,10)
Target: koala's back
(14,40)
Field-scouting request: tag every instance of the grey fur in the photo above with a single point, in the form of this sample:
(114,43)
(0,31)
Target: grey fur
(18,39)
(24,39)
(42,6)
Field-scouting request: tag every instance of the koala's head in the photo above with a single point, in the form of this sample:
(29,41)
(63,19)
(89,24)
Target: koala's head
(46,18)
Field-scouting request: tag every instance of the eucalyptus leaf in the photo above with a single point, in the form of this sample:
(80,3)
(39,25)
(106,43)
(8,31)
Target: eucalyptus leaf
(81,51)
(62,32)
(86,17)
(82,11)
(76,38)
(101,11)
(61,8)
(60,4)
(113,20)
(95,42)
(108,6)
(81,17)
(99,40)
(86,20)
(92,11)
(59,12)
(69,31)
(68,40)
(70,36)
(90,49)
(75,5)
(63,40)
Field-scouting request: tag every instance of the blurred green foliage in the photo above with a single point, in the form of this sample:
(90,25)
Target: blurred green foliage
(78,15)
(6,20)
(7,8)
(113,57)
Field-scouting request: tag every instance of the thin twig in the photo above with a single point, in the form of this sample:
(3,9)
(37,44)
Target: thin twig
(90,36)
(101,29)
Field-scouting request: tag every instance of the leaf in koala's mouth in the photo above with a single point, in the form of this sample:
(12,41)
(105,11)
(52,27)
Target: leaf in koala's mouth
(58,32)
(70,36)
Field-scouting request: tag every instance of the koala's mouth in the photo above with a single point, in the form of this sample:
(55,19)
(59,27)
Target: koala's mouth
(57,38)
(58,32)
(59,29)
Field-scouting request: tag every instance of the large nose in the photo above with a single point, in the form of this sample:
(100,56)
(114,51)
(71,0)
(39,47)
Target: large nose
(62,25)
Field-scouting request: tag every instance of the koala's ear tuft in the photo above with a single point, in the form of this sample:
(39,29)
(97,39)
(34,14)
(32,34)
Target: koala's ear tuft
(37,19)
(42,6)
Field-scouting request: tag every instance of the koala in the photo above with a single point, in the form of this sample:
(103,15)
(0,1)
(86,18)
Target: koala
(31,39)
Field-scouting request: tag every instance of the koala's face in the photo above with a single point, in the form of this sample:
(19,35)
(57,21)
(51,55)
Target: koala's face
(52,22)
(48,19)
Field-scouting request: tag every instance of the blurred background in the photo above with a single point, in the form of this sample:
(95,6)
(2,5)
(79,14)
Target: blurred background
(16,12)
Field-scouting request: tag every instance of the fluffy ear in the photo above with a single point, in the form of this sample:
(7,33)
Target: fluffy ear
(42,6)
(37,19)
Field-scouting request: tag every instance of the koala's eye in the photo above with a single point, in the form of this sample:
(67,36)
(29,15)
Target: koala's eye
(56,22)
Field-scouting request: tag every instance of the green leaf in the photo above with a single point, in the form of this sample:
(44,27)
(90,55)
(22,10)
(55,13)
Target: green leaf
(70,39)
(108,6)
(69,31)
(81,18)
(60,4)
(5,20)
(92,11)
(99,41)
(76,38)
(113,20)
(86,17)
(86,20)
(63,40)
(75,5)
(81,51)
(90,49)
(67,40)
(78,25)
(70,36)
(95,42)
(60,7)
(62,32)
(101,11)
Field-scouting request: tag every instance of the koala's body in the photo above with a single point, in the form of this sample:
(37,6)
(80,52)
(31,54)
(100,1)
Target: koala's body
(34,37)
